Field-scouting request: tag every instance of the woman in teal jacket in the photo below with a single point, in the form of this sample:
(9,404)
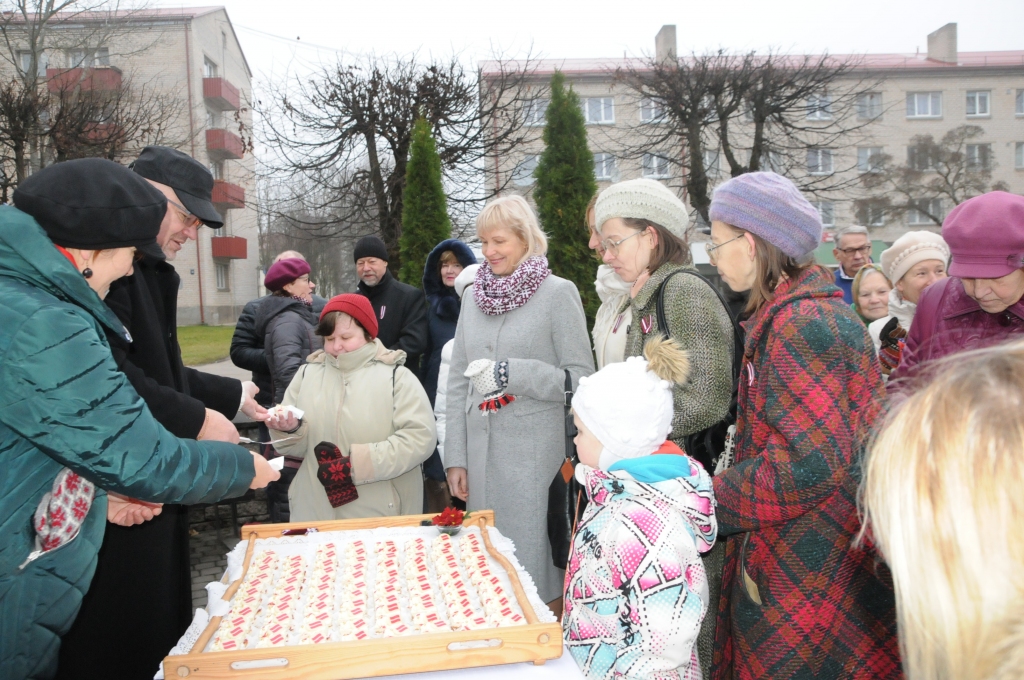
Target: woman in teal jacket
(66,411)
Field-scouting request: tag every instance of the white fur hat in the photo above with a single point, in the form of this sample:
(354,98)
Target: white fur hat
(465,278)
(627,408)
(911,248)
(644,199)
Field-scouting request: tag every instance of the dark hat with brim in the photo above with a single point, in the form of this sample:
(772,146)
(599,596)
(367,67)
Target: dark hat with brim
(93,204)
(191,181)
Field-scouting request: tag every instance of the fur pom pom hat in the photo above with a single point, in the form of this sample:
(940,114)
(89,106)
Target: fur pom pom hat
(628,406)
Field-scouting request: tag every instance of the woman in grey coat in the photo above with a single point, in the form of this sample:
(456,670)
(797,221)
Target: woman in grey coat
(519,330)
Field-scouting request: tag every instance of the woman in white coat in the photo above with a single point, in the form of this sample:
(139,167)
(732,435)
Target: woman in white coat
(520,329)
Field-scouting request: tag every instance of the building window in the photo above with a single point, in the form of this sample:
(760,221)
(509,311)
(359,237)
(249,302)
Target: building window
(977,103)
(819,162)
(921,209)
(210,69)
(773,162)
(819,107)
(1018,161)
(654,166)
(869,105)
(599,110)
(522,176)
(99,56)
(223,270)
(604,166)
(827,210)
(1020,103)
(25,60)
(871,213)
(868,159)
(217,169)
(920,158)
(979,156)
(924,104)
(651,111)
(212,118)
(711,162)
(533,112)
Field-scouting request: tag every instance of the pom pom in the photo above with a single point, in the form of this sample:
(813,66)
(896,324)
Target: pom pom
(667,360)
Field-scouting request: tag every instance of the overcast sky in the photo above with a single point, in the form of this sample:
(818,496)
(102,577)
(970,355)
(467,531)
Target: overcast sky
(311,31)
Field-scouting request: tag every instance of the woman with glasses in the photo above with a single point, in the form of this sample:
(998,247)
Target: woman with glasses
(799,601)
(613,317)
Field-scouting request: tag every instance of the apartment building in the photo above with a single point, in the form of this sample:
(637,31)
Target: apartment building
(910,94)
(188,59)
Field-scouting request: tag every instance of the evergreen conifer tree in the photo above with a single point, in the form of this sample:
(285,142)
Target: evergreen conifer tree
(425,221)
(565,184)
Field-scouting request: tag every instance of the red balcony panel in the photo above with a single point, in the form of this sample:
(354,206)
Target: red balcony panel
(220,94)
(227,196)
(100,78)
(223,145)
(229,247)
(102,132)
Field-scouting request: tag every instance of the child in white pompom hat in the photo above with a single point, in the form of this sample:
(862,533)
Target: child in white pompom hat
(635,588)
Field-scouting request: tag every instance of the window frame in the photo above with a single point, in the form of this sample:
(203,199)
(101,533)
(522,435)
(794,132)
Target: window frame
(650,104)
(977,99)
(608,163)
(865,109)
(712,162)
(527,180)
(1018,156)
(913,214)
(826,206)
(604,109)
(913,156)
(649,164)
(1019,103)
(864,164)
(222,271)
(985,163)
(822,152)
(932,96)
(819,106)
(530,117)
(865,210)
(211,69)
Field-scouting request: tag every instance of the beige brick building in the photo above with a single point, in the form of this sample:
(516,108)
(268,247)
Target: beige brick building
(190,59)
(910,94)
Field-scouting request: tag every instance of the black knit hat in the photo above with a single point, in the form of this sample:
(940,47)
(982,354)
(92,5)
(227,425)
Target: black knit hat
(92,204)
(191,181)
(370,246)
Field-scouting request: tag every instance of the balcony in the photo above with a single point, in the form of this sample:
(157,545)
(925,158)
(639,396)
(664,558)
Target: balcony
(92,78)
(227,196)
(220,94)
(229,247)
(223,145)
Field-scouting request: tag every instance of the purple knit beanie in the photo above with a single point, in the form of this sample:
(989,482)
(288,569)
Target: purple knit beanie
(770,206)
(283,272)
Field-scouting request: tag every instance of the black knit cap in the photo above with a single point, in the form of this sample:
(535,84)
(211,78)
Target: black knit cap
(370,246)
(92,204)
(191,181)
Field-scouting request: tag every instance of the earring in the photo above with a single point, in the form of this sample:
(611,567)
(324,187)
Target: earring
(87,273)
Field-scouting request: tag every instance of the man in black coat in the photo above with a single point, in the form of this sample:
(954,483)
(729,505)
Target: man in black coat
(141,595)
(401,309)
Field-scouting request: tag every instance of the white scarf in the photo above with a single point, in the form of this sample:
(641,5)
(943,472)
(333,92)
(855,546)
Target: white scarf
(610,347)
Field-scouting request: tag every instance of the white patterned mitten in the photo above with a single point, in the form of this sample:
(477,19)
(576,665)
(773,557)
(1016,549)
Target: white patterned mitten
(490,380)
(62,511)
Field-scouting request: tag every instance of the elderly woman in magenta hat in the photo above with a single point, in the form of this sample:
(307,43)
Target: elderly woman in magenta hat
(810,390)
(980,303)
(366,427)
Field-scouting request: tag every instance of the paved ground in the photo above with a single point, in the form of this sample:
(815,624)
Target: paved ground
(226,369)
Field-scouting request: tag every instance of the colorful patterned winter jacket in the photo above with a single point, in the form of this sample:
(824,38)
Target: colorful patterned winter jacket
(635,588)
(798,599)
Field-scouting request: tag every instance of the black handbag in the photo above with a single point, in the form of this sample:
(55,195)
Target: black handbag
(709,445)
(566,496)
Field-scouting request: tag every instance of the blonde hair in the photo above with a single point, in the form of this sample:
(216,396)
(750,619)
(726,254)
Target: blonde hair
(862,274)
(942,498)
(515,214)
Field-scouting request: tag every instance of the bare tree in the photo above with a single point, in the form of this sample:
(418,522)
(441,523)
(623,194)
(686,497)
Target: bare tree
(790,114)
(937,174)
(347,132)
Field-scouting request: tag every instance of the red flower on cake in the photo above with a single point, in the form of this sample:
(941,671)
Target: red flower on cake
(449,517)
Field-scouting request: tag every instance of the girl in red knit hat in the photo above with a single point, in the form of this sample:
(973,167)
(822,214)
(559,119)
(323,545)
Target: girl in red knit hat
(366,424)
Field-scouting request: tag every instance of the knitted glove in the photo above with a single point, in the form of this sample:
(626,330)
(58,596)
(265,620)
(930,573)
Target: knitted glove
(335,473)
(893,339)
(490,380)
(61,512)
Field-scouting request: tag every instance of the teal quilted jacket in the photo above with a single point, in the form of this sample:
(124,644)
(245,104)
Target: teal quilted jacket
(63,403)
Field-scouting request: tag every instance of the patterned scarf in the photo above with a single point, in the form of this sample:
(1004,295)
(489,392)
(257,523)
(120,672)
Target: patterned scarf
(499,294)
(297,298)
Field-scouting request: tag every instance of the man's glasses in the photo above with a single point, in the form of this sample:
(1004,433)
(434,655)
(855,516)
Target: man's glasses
(863,250)
(188,218)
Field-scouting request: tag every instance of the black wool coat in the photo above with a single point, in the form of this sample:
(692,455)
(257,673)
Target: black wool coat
(401,317)
(141,595)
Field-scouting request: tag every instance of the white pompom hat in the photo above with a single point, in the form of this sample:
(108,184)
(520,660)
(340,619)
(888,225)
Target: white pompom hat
(627,408)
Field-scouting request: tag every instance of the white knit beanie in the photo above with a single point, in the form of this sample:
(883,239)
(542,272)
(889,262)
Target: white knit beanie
(911,248)
(644,199)
(627,408)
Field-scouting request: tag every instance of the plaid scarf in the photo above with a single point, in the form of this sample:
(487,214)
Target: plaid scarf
(499,294)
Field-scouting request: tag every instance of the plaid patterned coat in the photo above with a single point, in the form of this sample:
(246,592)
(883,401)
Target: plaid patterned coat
(797,600)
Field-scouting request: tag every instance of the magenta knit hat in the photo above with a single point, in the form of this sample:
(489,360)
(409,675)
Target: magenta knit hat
(986,236)
(770,206)
(285,271)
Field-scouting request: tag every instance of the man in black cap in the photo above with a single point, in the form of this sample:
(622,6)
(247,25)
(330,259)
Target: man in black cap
(142,591)
(401,309)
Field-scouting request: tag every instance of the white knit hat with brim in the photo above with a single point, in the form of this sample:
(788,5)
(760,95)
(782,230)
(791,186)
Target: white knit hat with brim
(911,248)
(644,199)
(627,408)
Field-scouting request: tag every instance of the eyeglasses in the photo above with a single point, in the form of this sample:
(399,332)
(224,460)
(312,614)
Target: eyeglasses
(188,218)
(863,250)
(710,248)
(613,246)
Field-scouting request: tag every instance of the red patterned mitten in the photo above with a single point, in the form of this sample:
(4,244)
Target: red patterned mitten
(335,473)
(62,511)
(893,339)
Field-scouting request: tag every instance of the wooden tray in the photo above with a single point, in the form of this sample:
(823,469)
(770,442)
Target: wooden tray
(535,642)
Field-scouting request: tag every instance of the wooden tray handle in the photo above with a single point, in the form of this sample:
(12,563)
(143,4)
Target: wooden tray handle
(513,577)
(211,627)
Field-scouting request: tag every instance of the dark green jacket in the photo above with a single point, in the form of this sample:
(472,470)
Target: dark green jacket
(63,403)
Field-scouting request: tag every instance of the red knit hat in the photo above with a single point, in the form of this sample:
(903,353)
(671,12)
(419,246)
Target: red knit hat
(283,272)
(355,305)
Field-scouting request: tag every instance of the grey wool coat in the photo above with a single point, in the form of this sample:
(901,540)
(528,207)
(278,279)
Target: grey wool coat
(512,455)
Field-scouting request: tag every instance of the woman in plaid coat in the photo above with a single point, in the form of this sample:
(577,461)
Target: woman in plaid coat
(799,600)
